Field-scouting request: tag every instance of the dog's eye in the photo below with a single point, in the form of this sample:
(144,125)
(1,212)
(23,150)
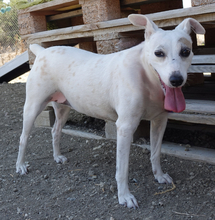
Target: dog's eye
(159,53)
(185,52)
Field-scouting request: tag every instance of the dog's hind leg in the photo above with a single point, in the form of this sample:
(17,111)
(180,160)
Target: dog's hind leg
(61,114)
(158,126)
(31,111)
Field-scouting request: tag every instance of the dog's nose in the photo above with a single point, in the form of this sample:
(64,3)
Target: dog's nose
(176,80)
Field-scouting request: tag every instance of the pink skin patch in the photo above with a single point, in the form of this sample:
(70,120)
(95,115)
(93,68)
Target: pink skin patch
(58,97)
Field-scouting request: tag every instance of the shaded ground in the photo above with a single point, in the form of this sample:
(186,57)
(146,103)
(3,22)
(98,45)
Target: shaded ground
(85,187)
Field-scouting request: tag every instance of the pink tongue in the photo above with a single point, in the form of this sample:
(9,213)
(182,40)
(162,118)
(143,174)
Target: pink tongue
(174,100)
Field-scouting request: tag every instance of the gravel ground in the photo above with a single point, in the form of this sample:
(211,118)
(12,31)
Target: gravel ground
(85,187)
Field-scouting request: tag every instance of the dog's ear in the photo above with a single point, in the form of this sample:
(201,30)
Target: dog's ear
(190,24)
(142,20)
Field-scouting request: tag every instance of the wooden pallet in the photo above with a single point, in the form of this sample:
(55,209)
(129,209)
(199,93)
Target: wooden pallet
(111,29)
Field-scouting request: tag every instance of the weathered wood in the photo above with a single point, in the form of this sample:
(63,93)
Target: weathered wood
(201,69)
(197,111)
(152,7)
(49,6)
(200,106)
(162,19)
(192,118)
(137,2)
(203,59)
(65,15)
(14,68)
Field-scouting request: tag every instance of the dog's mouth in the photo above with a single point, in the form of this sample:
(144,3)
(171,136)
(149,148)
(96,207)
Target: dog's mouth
(174,99)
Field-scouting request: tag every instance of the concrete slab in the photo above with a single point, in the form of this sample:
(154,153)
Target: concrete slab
(195,153)
(82,134)
(45,119)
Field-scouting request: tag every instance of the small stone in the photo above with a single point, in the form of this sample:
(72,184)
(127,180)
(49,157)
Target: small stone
(71,198)
(102,184)
(111,218)
(95,165)
(18,210)
(146,151)
(91,173)
(134,180)
(96,148)
(178,181)
(112,188)
(94,177)
(191,174)
(15,190)
(160,204)
(45,176)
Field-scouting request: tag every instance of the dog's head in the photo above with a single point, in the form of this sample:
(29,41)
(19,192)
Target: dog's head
(170,55)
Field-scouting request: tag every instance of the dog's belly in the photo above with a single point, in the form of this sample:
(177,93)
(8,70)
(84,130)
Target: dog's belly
(86,103)
(96,110)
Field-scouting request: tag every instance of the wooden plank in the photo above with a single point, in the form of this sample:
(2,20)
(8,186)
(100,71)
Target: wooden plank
(137,2)
(49,6)
(203,59)
(14,68)
(201,69)
(192,118)
(197,111)
(14,63)
(200,154)
(65,15)
(200,106)
(162,19)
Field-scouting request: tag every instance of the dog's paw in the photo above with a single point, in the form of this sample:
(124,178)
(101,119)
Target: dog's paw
(60,159)
(164,178)
(21,169)
(128,200)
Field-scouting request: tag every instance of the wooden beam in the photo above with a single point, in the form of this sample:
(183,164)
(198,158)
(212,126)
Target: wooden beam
(204,13)
(201,69)
(50,6)
(203,59)
(138,2)
(192,118)
(200,106)
(197,111)
(65,15)
(14,68)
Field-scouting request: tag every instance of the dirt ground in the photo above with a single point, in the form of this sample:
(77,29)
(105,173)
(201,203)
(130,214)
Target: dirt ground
(85,187)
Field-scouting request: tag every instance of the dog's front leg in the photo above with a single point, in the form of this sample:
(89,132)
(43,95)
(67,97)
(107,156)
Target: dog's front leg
(158,126)
(124,138)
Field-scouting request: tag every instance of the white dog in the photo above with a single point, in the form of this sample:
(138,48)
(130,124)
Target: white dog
(141,82)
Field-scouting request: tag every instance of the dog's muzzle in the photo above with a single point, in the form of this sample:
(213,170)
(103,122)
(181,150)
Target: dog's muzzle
(176,79)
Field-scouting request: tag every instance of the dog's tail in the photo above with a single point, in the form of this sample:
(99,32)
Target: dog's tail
(36,49)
